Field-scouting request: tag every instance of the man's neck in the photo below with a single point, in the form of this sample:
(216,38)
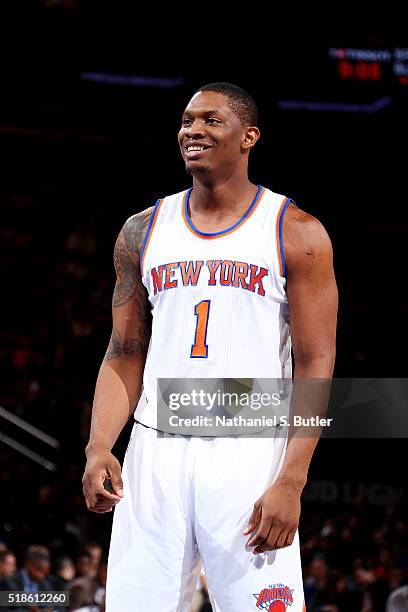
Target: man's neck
(228,196)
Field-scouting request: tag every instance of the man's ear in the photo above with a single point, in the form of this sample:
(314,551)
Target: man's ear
(251,136)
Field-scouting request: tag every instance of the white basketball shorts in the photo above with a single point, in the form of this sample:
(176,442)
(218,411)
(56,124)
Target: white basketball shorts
(187,501)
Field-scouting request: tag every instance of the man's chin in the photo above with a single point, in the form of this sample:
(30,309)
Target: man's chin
(194,169)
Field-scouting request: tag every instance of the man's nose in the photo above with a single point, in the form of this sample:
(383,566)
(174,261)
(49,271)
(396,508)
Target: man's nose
(195,130)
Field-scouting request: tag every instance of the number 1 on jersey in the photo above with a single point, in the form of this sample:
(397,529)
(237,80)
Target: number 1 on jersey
(199,348)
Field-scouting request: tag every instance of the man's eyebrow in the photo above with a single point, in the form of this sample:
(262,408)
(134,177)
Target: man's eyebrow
(202,112)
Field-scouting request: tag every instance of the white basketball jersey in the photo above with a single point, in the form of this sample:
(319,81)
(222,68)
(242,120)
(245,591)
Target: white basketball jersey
(218,300)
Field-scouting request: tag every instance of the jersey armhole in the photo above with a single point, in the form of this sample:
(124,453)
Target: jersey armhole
(149,233)
(279,238)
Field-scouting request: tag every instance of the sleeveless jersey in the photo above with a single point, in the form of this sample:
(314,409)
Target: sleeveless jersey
(219,304)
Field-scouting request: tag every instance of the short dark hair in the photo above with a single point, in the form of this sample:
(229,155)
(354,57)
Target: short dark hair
(4,554)
(37,553)
(61,561)
(83,553)
(36,556)
(92,544)
(239,100)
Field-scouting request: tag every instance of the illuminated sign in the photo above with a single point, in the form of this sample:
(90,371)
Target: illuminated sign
(371,64)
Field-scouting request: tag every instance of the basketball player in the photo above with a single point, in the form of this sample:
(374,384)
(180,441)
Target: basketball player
(234,276)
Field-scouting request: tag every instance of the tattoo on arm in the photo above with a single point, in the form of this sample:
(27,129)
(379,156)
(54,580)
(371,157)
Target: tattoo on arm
(126,257)
(114,348)
(128,346)
(129,290)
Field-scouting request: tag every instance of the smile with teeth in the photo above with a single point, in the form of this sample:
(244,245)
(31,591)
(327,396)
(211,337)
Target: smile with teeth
(189,149)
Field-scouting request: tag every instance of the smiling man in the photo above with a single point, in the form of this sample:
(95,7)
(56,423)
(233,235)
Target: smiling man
(235,277)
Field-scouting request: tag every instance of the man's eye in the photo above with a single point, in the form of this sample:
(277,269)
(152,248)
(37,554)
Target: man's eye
(186,122)
(212,120)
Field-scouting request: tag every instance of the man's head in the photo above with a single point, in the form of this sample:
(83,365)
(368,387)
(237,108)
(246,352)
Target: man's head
(84,564)
(218,129)
(95,550)
(8,564)
(64,567)
(103,570)
(37,563)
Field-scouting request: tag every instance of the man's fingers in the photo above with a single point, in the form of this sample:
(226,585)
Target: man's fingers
(281,540)
(101,509)
(102,505)
(251,526)
(276,540)
(103,494)
(95,492)
(262,532)
(290,537)
(115,474)
(268,542)
(102,467)
(92,483)
(253,521)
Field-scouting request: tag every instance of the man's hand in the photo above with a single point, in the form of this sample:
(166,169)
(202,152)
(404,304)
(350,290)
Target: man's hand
(101,465)
(275,517)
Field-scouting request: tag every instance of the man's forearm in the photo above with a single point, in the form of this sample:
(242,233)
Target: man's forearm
(297,460)
(311,389)
(117,391)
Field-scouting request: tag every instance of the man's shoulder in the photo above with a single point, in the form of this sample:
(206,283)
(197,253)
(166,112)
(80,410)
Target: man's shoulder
(303,234)
(139,218)
(136,226)
(302,225)
(134,229)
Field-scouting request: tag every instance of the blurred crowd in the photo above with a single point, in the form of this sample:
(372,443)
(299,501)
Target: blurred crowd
(83,577)
(55,315)
(354,557)
(354,560)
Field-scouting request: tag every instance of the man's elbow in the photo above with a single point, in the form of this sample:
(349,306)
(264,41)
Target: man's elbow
(315,365)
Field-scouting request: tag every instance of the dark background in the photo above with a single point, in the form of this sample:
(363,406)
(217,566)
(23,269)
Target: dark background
(79,157)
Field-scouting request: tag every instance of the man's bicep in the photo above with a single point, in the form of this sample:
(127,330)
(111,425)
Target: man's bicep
(311,289)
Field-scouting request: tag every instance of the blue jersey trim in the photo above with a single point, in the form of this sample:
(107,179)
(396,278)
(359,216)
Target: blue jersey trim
(244,216)
(149,227)
(280,236)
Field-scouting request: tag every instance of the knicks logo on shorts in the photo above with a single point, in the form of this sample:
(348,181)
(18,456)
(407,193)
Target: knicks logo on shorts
(274,598)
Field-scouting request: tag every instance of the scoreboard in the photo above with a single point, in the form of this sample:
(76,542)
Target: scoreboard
(357,64)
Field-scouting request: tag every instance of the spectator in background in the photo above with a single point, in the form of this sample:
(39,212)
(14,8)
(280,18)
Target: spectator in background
(64,573)
(3,546)
(8,564)
(33,577)
(101,581)
(87,590)
(95,550)
(81,597)
(319,588)
(346,597)
(84,565)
